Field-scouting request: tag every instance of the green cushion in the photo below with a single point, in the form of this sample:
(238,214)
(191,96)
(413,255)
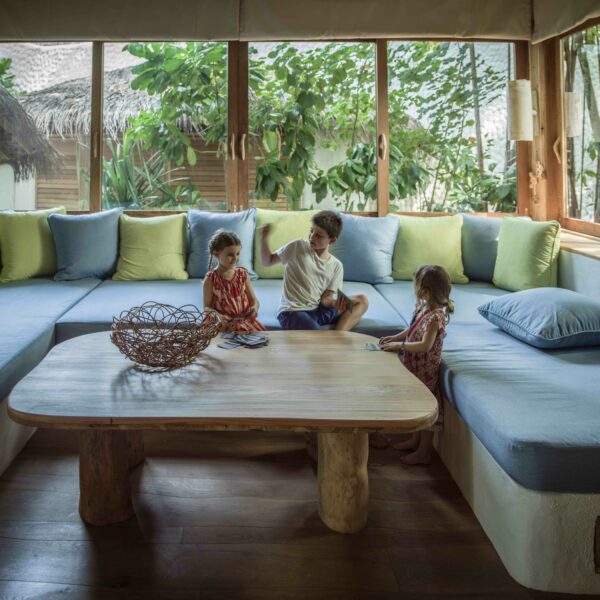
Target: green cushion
(527,254)
(287,226)
(429,241)
(26,244)
(152,248)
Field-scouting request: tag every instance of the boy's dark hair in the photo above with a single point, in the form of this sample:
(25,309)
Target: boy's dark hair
(220,240)
(330,221)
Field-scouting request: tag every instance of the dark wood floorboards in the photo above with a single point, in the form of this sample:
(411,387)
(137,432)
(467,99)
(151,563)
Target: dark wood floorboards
(230,516)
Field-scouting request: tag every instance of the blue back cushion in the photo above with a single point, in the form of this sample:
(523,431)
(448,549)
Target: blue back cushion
(546,318)
(480,246)
(86,245)
(366,246)
(204,224)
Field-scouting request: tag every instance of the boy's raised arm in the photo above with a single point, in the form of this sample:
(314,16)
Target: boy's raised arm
(267,257)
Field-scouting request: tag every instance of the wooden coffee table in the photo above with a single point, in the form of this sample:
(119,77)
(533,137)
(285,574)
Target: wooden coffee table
(324,382)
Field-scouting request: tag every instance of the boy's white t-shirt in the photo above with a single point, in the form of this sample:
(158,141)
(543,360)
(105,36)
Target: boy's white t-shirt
(307,276)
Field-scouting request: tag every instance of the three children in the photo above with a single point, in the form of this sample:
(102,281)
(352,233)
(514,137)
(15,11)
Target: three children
(311,280)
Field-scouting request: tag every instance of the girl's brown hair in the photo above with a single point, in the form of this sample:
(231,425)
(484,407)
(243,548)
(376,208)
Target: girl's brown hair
(220,240)
(432,282)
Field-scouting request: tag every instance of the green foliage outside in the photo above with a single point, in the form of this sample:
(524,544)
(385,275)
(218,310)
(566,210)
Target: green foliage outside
(582,75)
(324,96)
(7,79)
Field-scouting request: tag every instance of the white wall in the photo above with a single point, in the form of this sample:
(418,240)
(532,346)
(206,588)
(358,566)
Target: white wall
(16,195)
(7,187)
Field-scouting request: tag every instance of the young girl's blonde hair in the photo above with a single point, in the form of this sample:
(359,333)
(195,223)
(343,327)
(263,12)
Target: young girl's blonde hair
(220,240)
(432,283)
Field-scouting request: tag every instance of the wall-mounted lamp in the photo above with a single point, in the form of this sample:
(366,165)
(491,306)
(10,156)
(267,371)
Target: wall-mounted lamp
(520,110)
(573,114)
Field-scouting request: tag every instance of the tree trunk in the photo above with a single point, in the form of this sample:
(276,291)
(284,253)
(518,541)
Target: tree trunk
(507,145)
(570,62)
(475,88)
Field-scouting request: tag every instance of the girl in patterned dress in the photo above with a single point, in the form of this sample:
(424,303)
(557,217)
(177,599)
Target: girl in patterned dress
(421,345)
(227,288)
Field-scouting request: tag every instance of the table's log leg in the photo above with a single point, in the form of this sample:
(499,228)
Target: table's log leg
(104,490)
(135,447)
(343,480)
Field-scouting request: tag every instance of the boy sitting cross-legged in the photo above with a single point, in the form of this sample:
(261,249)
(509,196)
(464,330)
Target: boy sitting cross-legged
(311,278)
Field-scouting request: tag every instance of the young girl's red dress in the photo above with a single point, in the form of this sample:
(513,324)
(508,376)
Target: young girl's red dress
(230,299)
(426,365)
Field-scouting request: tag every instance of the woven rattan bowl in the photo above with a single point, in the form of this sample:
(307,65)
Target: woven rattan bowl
(161,337)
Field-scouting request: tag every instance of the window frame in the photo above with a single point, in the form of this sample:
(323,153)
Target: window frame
(571,224)
(237,170)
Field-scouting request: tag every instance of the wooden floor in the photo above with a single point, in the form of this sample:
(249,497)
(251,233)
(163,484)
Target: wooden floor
(234,516)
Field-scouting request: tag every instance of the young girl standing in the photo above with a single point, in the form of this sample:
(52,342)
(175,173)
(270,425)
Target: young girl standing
(227,288)
(421,344)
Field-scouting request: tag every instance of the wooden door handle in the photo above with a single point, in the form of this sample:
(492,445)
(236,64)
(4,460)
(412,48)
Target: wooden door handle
(555,150)
(232,146)
(383,146)
(243,146)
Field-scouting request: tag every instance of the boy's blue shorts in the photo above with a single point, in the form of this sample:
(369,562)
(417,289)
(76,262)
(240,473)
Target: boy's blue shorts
(308,319)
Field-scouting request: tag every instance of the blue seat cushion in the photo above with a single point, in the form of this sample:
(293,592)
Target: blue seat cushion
(28,311)
(467,297)
(96,311)
(379,320)
(537,412)
(547,317)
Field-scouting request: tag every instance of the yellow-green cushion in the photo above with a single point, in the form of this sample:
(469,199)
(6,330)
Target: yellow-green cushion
(429,241)
(287,226)
(152,248)
(26,244)
(527,254)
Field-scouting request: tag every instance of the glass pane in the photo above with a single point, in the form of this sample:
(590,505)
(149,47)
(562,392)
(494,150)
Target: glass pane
(581,54)
(312,126)
(165,124)
(45,111)
(449,146)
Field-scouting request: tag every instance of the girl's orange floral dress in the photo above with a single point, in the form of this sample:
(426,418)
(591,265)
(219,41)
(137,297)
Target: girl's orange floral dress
(230,299)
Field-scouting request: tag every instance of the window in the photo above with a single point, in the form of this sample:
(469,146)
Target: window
(449,148)
(165,126)
(45,95)
(312,126)
(581,105)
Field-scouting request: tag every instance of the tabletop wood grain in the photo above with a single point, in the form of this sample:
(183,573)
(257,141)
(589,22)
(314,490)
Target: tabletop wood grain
(303,380)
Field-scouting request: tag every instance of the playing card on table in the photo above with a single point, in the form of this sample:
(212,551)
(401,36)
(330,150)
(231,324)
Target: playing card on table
(228,345)
(371,346)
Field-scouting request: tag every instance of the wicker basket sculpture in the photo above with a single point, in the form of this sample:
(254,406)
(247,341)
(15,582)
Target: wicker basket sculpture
(162,337)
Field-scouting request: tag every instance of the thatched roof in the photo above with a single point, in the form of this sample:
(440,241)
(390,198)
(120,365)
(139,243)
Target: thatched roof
(22,145)
(65,109)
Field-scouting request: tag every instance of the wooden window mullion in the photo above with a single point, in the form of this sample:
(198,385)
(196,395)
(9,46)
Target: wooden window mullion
(523,149)
(97,128)
(243,139)
(383,137)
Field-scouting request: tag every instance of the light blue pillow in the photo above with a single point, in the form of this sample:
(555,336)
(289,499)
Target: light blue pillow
(366,246)
(86,245)
(479,239)
(204,224)
(546,318)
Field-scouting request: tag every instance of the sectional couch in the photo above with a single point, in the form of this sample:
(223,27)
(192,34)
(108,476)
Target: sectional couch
(522,425)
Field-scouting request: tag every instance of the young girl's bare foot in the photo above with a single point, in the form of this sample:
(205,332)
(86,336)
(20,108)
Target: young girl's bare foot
(416,458)
(379,441)
(412,443)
